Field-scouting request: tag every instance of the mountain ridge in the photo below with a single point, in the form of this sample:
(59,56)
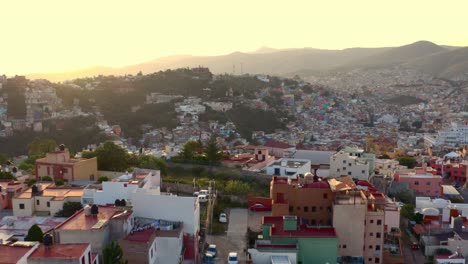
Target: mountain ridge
(419,55)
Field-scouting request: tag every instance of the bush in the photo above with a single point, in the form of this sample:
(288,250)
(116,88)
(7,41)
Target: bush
(34,234)
(69,208)
(47,179)
(31,182)
(59,182)
(103,179)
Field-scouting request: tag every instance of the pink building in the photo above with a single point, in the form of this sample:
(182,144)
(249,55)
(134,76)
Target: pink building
(423,183)
(8,190)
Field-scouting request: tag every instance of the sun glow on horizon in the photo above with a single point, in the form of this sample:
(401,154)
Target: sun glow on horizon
(53,35)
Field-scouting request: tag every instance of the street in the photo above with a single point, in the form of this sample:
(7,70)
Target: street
(235,238)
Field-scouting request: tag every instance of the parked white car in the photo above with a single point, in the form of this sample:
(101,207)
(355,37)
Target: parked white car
(222,218)
(202,198)
(232,258)
(201,192)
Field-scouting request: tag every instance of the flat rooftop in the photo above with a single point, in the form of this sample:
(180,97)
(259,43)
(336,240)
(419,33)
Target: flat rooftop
(59,251)
(11,254)
(277,230)
(49,190)
(79,221)
(293,164)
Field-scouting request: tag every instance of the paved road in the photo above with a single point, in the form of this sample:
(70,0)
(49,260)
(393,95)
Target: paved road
(235,239)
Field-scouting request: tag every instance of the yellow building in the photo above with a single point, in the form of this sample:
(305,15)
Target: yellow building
(59,165)
(44,199)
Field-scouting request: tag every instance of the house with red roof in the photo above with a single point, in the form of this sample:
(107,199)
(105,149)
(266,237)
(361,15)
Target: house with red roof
(97,228)
(63,254)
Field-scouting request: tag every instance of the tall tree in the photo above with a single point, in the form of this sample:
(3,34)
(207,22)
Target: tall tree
(110,157)
(40,146)
(112,254)
(150,162)
(34,234)
(212,152)
(189,149)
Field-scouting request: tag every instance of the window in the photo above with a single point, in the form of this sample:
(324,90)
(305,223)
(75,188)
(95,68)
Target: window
(377,260)
(344,168)
(338,170)
(371,221)
(21,206)
(370,259)
(349,164)
(329,209)
(291,208)
(371,234)
(38,202)
(321,208)
(344,161)
(377,247)
(83,260)
(379,222)
(349,173)
(416,183)
(306,209)
(48,204)
(428,183)
(151,252)
(329,222)
(125,185)
(363,171)
(325,196)
(314,208)
(370,246)
(344,246)
(377,234)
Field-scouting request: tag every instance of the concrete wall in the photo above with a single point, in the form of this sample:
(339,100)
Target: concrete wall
(348,222)
(169,249)
(98,238)
(86,170)
(28,207)
(343,164)
(372,228)
(174,208)
(392,219)
(139,253)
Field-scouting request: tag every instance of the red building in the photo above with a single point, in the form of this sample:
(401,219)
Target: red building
(454,169)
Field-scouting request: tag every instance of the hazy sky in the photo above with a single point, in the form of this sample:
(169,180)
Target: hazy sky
(49,35)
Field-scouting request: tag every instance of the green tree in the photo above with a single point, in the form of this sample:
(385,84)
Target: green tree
(111,157)
(153,163)
(34,234)
(407,211)
(69,208)
(213,152)
(189,149)
(40,146)
(112,254)
(410,162)
(103,179)
(405,196)
(237,187)
(6,176)
(31,182)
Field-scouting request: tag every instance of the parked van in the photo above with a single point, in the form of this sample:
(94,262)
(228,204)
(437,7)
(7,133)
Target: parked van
(202,198)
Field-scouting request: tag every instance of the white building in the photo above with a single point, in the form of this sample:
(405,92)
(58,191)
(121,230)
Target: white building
(456,134)
(122,187)
(288,167)
(352,165)
(219,106)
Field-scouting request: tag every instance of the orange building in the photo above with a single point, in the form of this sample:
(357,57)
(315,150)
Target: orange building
(310,199)
(59,165)
(8,190)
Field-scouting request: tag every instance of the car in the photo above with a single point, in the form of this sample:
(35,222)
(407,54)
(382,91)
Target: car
(202,198)
(201,192)
(415,246)
(222,218)
(260,207)
(212,250)
(232,258)
(209,258)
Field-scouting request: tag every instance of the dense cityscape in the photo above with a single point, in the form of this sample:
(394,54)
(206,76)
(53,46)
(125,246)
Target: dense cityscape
(241,132)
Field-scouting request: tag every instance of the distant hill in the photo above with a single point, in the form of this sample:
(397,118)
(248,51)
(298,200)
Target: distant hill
(443,61)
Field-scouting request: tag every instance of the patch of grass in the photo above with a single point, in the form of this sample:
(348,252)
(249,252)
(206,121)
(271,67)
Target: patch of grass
(218,228)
